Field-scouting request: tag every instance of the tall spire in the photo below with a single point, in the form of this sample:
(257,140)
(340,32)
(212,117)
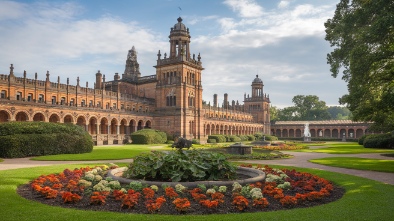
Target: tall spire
(132,70)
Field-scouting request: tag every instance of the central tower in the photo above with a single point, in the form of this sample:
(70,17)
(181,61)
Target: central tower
(178,88)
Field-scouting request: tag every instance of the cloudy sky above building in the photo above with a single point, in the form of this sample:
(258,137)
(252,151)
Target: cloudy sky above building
(281,41)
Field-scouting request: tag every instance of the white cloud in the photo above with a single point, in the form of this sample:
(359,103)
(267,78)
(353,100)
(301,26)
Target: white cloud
(245,8)
(283,4)
(37,43)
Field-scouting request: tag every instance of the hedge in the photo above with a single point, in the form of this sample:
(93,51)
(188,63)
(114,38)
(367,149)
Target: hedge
(260,136)
(218,137)
(148,136)
(379,141)
(211,141)
(234,138)
(24,139)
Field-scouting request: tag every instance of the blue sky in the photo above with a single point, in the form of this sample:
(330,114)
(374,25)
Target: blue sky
(281,41)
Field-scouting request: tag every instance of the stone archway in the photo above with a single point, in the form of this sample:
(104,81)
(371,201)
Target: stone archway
(93,125)
(68,119)
(4,116)
(21,116)
(122,127)
(81,122)
(38,117)
(148,124)
(113,126)
(140,123)
(54,118)
(104,126)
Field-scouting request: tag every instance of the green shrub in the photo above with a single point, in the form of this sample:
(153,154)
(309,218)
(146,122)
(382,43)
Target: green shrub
(218,137)
(379,141)
(243,137)
(23,139)
(148,136)
(234,138)
(260,136)
(195,141)
(361,139)
(186,165)
(211,141)
(250,137)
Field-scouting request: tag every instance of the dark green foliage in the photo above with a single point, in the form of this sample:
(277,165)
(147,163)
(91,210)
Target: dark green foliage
(379,141)
(361,139)
(218,137)
(234,138)
(361,34)
(260,136)
(211,141)
(188,165)
(148,136)
(195,141)
(243,137)
(250,137)
(23,139)
(182,143)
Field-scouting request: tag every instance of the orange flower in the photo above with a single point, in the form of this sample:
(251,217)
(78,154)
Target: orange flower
(181,204)
(240,202)
(170,193)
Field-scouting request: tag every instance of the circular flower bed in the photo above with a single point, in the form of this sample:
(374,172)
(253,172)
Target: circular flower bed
(90,189)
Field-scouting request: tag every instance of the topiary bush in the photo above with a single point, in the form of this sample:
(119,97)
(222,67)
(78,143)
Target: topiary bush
(251,137)
(218,137)
(379,141)
(243,137)
(148,136)
(234,138)
(23,139)
(211,141)
(186,165)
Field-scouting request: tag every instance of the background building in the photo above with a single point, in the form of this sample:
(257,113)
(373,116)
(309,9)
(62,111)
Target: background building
(170,100)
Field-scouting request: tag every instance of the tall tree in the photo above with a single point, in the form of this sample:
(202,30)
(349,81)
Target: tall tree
(309,107)
(362,34)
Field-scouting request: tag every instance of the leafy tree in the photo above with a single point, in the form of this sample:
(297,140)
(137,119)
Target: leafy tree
(362,34)
(339,113)
(307,107)
(274,113)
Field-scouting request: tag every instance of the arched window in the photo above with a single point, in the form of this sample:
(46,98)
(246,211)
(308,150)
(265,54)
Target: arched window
(3,94)
(171,99)
(191,99)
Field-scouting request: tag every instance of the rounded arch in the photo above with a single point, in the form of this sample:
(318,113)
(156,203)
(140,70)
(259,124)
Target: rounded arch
(21,116)
(4,116)
(122,127)
(103,126)
(38,117)
(148,124)
(81,121)
(113,127)
(132,125)
(54,118)
(68,119)
(92,127)
(140,125)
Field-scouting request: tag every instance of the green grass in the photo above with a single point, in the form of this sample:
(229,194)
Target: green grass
(357,163)
(344,148)
(364,200)
(117,152)
(1,160)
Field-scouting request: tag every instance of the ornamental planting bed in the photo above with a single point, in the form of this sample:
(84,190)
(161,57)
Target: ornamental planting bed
(90,189)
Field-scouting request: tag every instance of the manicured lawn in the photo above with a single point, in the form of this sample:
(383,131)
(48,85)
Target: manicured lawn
(364,200)
(115,152)
(345,148)
(357,163)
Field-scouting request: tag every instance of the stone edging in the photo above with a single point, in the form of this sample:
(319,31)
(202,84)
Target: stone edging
(256,176)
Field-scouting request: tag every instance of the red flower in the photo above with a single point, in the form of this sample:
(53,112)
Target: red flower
(240,202)
(181,204)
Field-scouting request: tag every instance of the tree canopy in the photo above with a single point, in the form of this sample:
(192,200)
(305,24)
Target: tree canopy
(309,107)
(362,34)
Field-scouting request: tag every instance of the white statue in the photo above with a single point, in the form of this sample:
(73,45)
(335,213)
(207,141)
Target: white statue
(306,130)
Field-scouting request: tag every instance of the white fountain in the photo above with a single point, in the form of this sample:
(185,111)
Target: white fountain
(307,133)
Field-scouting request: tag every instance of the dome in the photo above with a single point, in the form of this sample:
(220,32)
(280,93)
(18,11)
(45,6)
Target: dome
(257,80)
(180,25)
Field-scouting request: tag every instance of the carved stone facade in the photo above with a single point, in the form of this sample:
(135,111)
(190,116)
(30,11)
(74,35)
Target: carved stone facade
(170,100)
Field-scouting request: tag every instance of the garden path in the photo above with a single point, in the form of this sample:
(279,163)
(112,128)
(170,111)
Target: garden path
(300,159)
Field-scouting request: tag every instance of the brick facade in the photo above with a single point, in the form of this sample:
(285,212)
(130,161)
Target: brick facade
(170,100)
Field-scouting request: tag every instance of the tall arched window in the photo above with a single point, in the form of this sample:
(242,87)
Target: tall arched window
(171,99)
(191,99)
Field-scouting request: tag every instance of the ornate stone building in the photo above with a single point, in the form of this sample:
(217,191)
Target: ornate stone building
(170,100)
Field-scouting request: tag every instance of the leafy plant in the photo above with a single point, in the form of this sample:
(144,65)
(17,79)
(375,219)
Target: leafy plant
(175,166)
